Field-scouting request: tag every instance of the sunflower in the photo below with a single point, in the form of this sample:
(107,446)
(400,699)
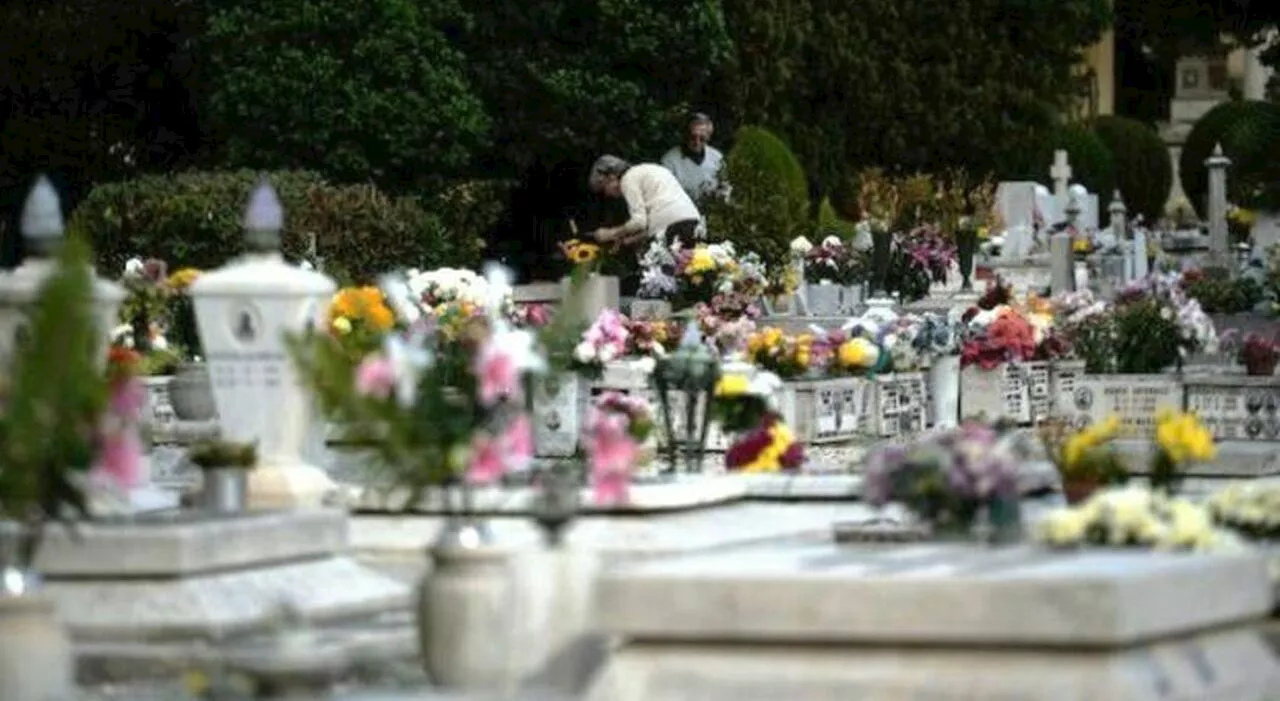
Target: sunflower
(584,253)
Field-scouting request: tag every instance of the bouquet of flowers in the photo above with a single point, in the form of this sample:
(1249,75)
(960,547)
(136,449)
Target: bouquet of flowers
(744,406)
(704,271)
(658,272)
(1135,517)
(614,440)
(438,410)
(1256,353)
(1180,439)
(834,261)
(1086,458)
(727,335)
(146,315)
(1250,509)
(531,316)
(604,341)
(937,335)
(997,336)
(783,355)
(580,252)
(651,337)
(948,479)
(442,286)
(359,318)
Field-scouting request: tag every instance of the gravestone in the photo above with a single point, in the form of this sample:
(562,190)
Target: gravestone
(816,620)
(1088,203)
(1134,399)
(1061,264)
(1060,176)
(1016,203)
(1048,211)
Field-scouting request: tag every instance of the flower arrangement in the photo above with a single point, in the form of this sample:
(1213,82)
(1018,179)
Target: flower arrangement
(1256,353)
(1219,293)
(65,424)
(359,318)
(1155,325)
(604,341)
(699,271)
(833,261)
(726,334)
(616,431)
(744,407)
(182,312)
(998,336)
(1240,223)
(580,252)
(1086,458)
(658,272)
(784,355)
(1135,517)
(1252,510)
(949,479)
(145,313)
(1180,439)
(531,316)
(443,286)
(441,410)
(654,338)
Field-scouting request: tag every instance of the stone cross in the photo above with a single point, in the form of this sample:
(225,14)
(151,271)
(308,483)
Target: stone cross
(1062,276)
(1060,172)
(1219,243)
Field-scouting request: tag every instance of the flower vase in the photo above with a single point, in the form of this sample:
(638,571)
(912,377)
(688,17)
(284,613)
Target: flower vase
(966,244)
(881,241)
(1260,367)
(191,393)
(1077,491)
(944,387)
(225,490)
(464,607)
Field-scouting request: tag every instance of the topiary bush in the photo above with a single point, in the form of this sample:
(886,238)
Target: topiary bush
(768,205)
(474,213)
(1210,130)
(195,219)
(1253,145)
(1144,172)
(1092,163)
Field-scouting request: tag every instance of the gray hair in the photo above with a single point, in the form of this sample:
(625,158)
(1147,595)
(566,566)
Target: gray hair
(606,166)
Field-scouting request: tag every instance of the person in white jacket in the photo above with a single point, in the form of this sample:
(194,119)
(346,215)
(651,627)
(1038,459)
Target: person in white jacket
(696,163)
(659,207)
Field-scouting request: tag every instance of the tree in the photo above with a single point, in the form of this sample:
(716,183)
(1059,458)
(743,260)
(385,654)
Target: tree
(357,91)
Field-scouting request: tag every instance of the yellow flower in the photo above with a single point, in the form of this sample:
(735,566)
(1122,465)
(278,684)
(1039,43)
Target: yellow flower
(700,262)
(1080,443)
(181,279)
(1063,528)
(580,251)
(857,353)
(732,386)
(984,232)
(342,325)
(1081,245)
(1183,438)
(362,304)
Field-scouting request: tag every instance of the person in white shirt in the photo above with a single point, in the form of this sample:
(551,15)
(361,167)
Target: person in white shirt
(659,208)
(696,163)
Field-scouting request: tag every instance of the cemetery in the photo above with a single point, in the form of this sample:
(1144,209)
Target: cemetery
(990,450)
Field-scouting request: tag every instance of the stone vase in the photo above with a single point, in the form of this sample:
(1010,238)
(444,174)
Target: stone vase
(944,388)
(464,610)
(225,490)
(36,662)
(191,393)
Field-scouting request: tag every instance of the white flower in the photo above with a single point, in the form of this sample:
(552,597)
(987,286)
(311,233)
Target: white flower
(801,246)
(134,267)
(608,353)
(584,353)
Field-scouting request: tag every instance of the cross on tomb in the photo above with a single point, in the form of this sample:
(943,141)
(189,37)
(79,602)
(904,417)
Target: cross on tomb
(1060,172)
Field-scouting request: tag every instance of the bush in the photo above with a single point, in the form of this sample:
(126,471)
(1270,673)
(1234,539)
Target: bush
(1208,132)
(473,212)
(195,219)
(769,201)
(1092,163)
(1144,173)
(1253,145)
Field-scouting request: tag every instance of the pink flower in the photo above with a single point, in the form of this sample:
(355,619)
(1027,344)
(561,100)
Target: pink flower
(128,397)
(611,453)
(486,464)
(497,374)
(517,442)
(120,458)
(375,376)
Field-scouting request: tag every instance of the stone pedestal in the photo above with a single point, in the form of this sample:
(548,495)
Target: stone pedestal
(816,620)
(122,586)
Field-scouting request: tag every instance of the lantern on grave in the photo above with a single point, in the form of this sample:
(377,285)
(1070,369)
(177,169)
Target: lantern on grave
(685,381)
(244,311)
(42,233)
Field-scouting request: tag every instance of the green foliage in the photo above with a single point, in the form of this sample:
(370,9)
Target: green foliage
(769,202)
(1092,163)
(194,220)
(1210,130)
(1253,145)
(215,454)
(471,212)
(358,91)
(569,79)
(1219,293)
(852,85)
(830,223)
(53,403)
(1143,170)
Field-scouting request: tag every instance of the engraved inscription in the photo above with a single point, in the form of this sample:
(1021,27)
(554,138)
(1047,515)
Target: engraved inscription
(1237,413)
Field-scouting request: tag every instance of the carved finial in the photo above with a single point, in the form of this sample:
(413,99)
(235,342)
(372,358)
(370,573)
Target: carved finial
(42,219)
(1117,204)
(264,218)
(1219,158)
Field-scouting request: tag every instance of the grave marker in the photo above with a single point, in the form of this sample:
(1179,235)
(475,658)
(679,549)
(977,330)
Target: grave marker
(1060,173)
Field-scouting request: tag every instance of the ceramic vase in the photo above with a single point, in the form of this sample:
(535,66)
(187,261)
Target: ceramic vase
(944,388)
(464,609)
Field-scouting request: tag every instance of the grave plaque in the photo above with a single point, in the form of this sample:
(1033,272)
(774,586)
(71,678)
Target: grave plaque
(1000,393)
(1135,399)
(1236,407)
(826,411)
(899,407)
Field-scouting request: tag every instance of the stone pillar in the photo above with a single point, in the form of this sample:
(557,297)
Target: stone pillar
(1219,241)
(1118,213)
(1062,277)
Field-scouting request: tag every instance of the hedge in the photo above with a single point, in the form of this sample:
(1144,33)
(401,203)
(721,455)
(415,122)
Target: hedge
(195,219)
(1092,163)
(1210,130)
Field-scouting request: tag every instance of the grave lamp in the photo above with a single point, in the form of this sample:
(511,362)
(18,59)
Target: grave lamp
(42,233)
(244,311)
(685,381)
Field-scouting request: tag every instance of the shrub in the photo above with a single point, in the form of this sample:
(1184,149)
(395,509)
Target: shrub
(1210,130)
(473,212)
(1143,170)
(1092,163)
(769,201)
(195,220)
(1253,145)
